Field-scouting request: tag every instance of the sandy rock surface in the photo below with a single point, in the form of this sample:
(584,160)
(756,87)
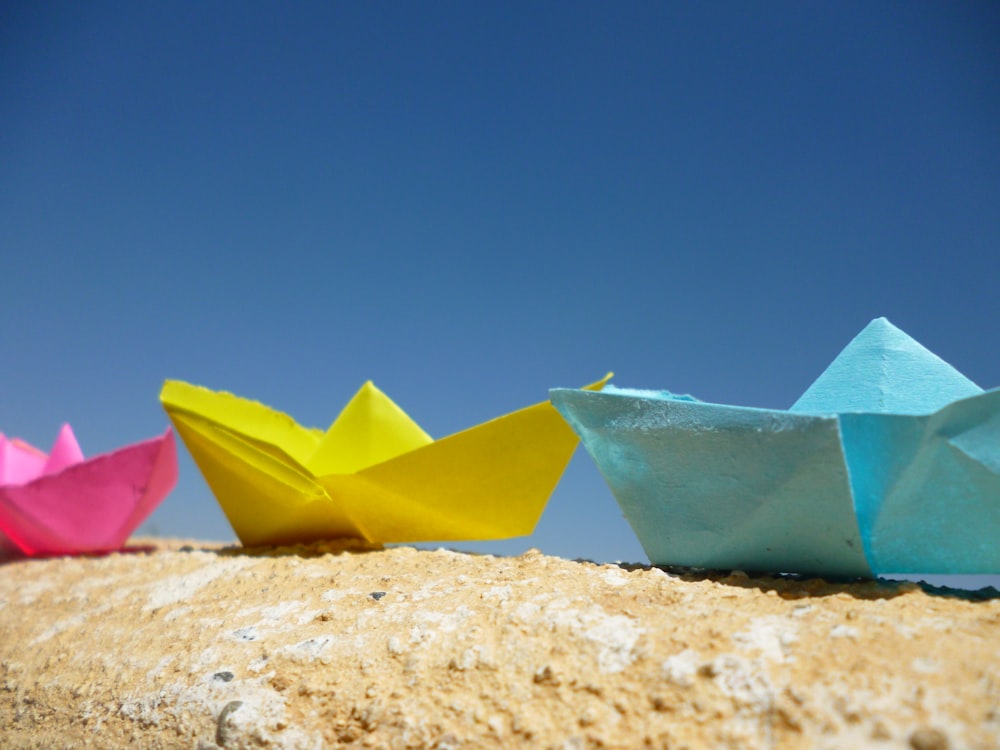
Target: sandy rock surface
(202,647)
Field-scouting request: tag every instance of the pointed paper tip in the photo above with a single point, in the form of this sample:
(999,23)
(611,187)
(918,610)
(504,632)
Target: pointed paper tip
(367,391)
(371,428)
(882,329)
(65,451)
(600,384)
(884,370)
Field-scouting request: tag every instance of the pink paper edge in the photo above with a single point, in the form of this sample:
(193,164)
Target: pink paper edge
(11,448)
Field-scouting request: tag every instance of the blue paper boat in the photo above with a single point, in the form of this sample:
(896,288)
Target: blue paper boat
(889,463)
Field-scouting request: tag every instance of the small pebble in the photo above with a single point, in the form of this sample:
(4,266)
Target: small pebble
(223,676)
(222,734)
(245,634)
(928,738)
(376,595)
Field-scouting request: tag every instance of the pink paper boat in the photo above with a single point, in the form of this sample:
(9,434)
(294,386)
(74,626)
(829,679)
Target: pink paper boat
(59,503)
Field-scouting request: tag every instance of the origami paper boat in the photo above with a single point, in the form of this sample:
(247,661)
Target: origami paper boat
(59,503)
(374,474)
(889,463)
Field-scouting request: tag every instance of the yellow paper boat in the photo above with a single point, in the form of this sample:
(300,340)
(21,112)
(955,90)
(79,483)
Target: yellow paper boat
(375,474)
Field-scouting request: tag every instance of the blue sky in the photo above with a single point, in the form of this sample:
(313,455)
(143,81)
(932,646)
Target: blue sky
(470,203)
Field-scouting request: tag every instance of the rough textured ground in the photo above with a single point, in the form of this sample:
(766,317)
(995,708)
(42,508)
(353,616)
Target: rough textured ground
(201,647)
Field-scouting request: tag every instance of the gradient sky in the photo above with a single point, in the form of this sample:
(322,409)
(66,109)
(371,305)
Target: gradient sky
(470,203)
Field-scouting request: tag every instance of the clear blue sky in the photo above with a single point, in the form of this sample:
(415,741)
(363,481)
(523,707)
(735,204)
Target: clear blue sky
(470,203)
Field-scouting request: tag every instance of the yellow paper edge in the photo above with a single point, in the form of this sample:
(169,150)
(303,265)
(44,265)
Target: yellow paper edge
(250,419)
